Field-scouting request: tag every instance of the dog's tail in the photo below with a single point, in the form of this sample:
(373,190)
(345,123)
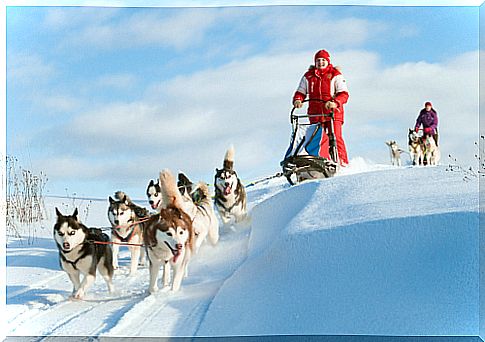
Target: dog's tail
(123,197)
(229,158)
(214,223)
(170,193)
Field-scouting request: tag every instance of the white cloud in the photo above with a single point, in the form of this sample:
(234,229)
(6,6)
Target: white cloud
(300,29)
(28,68)
(108,28)
(63,18)
(187,123)
(117,81)
(57,103)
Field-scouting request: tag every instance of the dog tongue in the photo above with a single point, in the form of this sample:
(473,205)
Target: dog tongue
(227,190)
(176,254)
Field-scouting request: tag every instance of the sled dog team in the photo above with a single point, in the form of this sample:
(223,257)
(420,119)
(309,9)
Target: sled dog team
(184,218)
(422,150)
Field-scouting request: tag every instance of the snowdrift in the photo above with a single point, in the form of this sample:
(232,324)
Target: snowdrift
(375,251)
(383,253)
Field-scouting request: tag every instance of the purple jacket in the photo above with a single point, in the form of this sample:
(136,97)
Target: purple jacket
(427,119)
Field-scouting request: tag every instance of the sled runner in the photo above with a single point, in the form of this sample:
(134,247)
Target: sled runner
(304,158)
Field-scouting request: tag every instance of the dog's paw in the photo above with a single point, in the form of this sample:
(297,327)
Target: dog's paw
(79,295)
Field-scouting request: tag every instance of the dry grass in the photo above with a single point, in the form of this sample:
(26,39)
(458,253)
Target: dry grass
(25,208)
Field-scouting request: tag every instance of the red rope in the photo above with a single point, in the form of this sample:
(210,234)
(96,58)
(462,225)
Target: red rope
(116,243)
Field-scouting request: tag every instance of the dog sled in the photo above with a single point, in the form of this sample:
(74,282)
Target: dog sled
(303,160)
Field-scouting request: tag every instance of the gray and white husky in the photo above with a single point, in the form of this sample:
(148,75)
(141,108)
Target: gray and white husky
(395,152)
(125,218)
(78,254)
(169,239)
(230,195)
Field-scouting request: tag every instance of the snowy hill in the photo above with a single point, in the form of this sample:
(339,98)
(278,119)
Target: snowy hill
(389,251)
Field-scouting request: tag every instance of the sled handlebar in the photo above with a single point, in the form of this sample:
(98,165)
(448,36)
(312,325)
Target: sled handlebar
(298,116)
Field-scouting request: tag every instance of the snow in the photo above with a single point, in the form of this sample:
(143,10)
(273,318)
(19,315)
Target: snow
(376,250)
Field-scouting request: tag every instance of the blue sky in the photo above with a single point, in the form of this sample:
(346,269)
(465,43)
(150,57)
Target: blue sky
(102,98)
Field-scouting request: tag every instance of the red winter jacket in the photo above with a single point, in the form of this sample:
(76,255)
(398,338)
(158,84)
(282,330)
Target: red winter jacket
(328,84)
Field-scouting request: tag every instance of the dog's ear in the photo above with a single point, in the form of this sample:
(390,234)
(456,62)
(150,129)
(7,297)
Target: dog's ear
(74,214)
(152,183)
(183,179)
(58,213)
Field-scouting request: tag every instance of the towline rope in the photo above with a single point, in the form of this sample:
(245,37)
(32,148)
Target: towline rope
(115,243)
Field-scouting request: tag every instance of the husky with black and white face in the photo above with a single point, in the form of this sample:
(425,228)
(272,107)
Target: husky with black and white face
(154,195)
(416,147)
(169,241)
(79,254)
(230,195)
(125,218)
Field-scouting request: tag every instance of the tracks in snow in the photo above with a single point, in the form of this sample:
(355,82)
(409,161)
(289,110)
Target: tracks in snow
(130,311)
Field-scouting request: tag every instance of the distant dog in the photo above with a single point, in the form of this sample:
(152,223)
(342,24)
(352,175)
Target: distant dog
(154,195)
(169,239)
(78,254)
(432,152)
(197,203)
(416,148)
(395,152)
(125,216)
(230,195)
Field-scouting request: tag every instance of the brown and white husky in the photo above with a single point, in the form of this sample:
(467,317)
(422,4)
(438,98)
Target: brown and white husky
(169,239)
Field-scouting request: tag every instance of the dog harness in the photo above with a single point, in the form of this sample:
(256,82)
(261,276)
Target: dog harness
(73,263)
(128,237)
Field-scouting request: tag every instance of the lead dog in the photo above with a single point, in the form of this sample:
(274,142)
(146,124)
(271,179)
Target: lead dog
(169,239)
(78,254)
(125,218)
(230,195)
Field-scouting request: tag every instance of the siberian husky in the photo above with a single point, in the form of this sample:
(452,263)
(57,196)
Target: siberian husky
(169,240)
(416,148)
(197,203)
(154,195)
(230,195)
(78,254)
(432,152)
(125,216)
(395,152)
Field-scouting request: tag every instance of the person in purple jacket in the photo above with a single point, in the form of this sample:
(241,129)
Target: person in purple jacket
(428,117)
